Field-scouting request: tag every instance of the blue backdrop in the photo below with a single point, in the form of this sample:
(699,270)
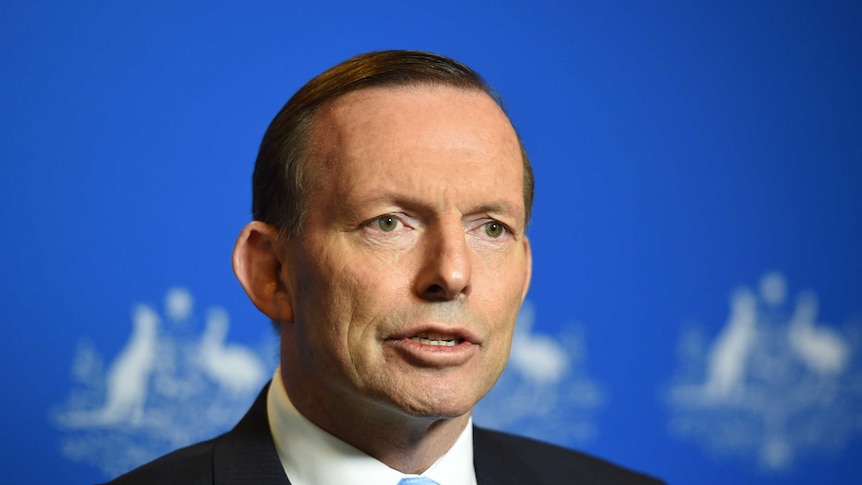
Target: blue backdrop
(698,175)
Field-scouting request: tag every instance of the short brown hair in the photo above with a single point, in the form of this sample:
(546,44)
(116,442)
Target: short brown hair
(279,174)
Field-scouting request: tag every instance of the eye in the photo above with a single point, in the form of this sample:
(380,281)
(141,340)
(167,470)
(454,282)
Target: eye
(494,229)
(387,223)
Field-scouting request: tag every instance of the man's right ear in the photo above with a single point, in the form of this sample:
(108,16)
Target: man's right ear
(257,264)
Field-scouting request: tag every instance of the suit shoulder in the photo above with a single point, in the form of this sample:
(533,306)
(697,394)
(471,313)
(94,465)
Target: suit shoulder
(190,465)
(556,464)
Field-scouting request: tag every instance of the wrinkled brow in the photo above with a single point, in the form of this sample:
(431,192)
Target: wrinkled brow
(500,208)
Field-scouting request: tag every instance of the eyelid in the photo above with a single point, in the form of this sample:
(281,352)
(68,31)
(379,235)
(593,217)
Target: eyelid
(370,223)
(483,223)
(506,228)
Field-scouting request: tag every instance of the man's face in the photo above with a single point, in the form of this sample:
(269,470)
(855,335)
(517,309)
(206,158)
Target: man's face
(413,262)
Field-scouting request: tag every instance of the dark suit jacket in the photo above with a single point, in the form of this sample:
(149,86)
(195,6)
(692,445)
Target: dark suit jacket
(247,455)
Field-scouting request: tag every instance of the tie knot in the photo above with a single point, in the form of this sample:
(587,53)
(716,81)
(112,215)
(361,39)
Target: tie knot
(417,481)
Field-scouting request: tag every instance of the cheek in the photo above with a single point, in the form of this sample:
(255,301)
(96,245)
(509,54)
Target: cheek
(352,304)
(504,279)
(503,337)
(502,305)
(379,283)
(324,307)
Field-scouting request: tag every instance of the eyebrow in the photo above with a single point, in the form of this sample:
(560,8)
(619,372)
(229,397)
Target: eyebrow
(501,207)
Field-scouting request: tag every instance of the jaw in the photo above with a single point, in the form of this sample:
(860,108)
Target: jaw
(407,432)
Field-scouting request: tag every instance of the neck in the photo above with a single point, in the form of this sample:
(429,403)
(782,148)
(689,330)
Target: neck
(407,443)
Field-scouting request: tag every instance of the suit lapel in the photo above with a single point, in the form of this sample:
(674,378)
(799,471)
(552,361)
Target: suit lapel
(247,453)
(496,464)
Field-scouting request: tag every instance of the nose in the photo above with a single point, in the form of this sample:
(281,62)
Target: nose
(446,267)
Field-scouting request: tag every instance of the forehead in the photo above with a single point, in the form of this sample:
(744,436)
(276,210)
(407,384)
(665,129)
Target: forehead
(414,128)
(404,100)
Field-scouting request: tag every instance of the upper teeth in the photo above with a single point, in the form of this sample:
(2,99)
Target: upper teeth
(427,341)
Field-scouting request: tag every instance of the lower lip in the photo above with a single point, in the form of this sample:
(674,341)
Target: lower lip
(434,355)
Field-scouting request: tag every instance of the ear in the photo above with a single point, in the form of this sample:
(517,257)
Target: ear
(257,264)
(529,256)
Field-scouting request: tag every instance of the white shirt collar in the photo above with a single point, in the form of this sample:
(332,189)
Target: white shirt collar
(315,457)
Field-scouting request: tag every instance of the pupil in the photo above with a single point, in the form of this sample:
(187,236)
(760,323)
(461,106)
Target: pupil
(387,223)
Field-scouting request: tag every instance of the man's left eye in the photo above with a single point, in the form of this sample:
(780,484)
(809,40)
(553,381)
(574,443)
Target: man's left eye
(494,229)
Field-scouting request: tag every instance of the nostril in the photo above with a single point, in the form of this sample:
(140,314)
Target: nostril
(436,292)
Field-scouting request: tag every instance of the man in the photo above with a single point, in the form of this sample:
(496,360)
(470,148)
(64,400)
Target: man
(391,199)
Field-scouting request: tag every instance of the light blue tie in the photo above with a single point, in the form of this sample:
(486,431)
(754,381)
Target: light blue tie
(417,481)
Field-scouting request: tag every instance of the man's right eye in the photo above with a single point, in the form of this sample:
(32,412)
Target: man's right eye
(387,223)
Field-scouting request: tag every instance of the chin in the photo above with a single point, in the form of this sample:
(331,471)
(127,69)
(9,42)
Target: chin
(439,404)
(435,412)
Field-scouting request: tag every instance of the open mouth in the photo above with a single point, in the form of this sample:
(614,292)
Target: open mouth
(437,340)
